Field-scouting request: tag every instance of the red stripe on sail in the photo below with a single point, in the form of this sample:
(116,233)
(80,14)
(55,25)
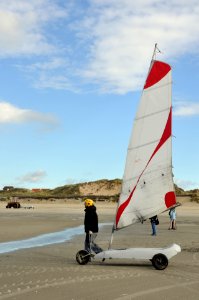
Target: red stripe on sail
(122,207)
(166,134)
(158,71)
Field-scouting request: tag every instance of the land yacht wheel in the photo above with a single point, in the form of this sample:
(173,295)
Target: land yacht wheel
(82,257)
(160,261)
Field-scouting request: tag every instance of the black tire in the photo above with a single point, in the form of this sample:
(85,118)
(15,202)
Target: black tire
(82,257)
(160,261)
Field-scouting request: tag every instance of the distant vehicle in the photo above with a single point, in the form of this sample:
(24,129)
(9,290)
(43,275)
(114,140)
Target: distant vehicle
(13,204)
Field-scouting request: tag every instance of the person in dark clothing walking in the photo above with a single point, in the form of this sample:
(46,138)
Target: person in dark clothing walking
(91,226)
(154,221)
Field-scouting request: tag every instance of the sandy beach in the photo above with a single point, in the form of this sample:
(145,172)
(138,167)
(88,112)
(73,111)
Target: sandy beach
(51,272)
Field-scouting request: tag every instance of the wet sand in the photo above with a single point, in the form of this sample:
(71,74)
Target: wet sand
(51,272)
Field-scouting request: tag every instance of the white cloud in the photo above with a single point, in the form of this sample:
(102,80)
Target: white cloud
(71,181)
(122,34)
(106,43)
(186,184)
(10,114)
(52,64)
(186,109)
(75,181)
(32,177)
(57,82)
(22,26)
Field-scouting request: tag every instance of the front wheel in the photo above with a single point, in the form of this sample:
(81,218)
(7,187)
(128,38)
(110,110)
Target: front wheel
(160,261)
(82,257)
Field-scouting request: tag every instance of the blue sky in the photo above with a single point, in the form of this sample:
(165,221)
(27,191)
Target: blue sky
(71,78)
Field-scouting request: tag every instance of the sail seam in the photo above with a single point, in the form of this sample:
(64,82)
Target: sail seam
(152,114)
(163,170)
(140,146)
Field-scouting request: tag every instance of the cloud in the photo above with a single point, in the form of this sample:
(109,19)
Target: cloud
(186,109)
(52,64)
(22,26)
(121,35)
(186,184)
(32,177)
(56,82)
(10,114)
(75,181)
(105,44)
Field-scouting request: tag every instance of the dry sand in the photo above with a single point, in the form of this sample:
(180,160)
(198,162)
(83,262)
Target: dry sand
(51,272)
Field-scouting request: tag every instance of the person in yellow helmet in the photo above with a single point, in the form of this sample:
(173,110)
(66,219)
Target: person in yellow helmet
(91,226)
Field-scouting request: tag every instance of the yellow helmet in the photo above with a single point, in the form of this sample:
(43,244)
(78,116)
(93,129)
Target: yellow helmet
(88,202)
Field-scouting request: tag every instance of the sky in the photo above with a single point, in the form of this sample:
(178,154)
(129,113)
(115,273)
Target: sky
(72,73)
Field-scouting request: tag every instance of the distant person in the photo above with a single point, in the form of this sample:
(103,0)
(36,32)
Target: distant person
(154,221)
(172,215)
(91,226)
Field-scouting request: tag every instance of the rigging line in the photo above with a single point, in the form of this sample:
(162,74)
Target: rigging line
(156,50)
(154,113)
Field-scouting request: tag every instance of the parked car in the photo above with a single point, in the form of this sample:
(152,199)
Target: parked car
(13,204)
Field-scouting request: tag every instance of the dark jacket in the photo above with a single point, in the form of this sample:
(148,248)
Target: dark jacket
(154,220)
(91,219)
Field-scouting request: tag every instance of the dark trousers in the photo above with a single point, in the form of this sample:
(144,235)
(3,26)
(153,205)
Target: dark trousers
(89,244)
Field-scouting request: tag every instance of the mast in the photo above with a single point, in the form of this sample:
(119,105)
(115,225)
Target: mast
(155,51)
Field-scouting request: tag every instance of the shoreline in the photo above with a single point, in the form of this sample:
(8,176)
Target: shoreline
(51,217)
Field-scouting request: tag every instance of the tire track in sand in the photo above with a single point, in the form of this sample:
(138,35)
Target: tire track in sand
(156,290)
(34,285)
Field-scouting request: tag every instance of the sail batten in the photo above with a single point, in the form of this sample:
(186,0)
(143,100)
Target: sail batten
(143,145)
(147,186)
(152,114)
(148,174)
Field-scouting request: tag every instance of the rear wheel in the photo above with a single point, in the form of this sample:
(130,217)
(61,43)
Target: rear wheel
(160,261)
(82,257)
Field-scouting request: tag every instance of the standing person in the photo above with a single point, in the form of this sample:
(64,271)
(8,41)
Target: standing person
(154,221)
(172,215)
(91,226)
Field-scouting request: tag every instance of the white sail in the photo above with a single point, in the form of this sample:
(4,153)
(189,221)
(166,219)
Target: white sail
(147,187)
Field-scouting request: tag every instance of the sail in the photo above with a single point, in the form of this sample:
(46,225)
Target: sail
(147,187)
